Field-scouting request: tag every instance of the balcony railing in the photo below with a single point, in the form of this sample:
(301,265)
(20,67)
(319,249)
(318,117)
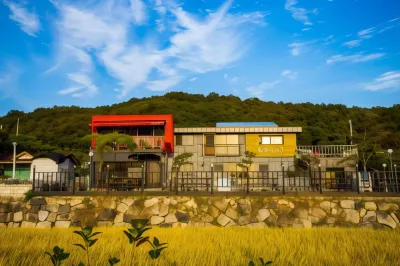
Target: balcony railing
(145,142)
(328,150)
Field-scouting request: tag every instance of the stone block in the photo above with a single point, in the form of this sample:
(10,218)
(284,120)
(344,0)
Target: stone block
(243,220)
(122,207)
(45,224)
(347,204)
(352,216)
(25,224)
(75,202)
(213,211)
(171,218)
(15,206)
(150,202)
(283,202)
(163,210)
(62,224)
(385,219)
(146,213)
(155,209)
(182,217)
(395,218)
(52,207)
(326,206)
(370,206)
(246,208)
(223,219)
(109,204)
(155,220)
(18,216)
(52,217)
(231,213)
(43,215)
(61,201)
(64,217)
(133,211)
(263,214)
(317,212)
(166,201)
(64,209)
(206,218)
(32,217)
(363,212)
(37,201)
(128,202)
(221,205)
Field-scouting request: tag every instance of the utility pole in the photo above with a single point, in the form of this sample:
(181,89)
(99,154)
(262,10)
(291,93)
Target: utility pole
(351,133)
(14,155)
(17,126)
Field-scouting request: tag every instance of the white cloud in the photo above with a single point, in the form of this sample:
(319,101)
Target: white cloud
(100,33)
(306,29)
(289,74)
(258,90)
(367,33)
(83,86)
(138,11)
(388,80)
(355,58)
(29,21)
(297,48)
(192,79)
(298,13)
(353,43)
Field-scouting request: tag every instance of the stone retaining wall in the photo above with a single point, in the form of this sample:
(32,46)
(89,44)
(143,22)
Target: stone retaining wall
(300,212)
(14,190)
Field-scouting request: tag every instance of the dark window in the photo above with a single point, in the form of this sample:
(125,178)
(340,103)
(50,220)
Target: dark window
(263,167)
(178,140)
(145,131)
(218,167)
(209,140)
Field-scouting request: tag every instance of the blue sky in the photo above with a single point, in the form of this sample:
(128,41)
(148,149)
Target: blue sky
(90,53)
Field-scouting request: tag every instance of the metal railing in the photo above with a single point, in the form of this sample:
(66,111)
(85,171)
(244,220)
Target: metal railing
(211,182)
(145,142)
(328,150)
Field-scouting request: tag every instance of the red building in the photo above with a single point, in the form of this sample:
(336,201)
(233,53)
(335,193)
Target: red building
(154,137)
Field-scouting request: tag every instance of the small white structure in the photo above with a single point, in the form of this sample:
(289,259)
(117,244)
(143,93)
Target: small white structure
(53,163)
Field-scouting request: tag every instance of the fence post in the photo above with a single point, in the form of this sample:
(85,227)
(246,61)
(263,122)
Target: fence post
(73,180)
(320,179)
(311,178)
(357,180)
(176,180)
(34,173)
(283,179)
(142,178)
(108,179)
(395,176)
(248,180)
(212,179)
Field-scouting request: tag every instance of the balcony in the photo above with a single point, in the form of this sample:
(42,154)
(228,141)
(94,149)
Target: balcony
(145,142)
(328,151)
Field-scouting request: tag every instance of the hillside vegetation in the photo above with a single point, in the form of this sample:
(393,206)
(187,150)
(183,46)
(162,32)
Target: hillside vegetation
(61,128)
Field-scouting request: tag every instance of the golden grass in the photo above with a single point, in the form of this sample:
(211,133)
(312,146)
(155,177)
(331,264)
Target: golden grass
(212,246)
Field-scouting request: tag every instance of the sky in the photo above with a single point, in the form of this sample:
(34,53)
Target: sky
(91,53)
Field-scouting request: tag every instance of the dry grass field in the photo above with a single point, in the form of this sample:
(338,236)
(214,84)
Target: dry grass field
(211,246)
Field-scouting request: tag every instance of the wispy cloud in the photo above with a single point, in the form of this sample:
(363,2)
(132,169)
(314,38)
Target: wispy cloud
(297,48)
(289,74)
(298,13)
(28,21)
(355,58)
(258,90)
(193,79)
(231,80)
(388,80)
(82,87)
(353,43)
(100,33)
(367,33)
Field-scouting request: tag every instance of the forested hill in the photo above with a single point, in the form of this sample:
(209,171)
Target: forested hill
(61,128)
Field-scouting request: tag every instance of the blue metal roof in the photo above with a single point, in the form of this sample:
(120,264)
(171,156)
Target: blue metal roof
(246,124)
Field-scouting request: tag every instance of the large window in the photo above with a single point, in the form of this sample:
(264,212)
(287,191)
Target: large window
(271,140)
(221,145)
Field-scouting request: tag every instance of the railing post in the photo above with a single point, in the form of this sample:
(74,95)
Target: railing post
(108,179)
(395,176)
(320,179)
(176,180)
(142,178)
(212,179)
(34,179)
(283,179)
(357,180)
(248,181)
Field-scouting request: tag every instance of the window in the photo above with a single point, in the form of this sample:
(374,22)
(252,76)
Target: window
(209,139)
(209,149)
(184,140)
(274,140)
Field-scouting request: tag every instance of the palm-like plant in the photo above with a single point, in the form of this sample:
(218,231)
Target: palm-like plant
(105,142)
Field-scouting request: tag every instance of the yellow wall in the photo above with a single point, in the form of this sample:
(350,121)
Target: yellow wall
(288,149)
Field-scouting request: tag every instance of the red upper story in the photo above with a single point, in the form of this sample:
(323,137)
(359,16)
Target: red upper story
(148,131)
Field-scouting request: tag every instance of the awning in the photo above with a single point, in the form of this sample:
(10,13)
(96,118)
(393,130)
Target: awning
(127,123)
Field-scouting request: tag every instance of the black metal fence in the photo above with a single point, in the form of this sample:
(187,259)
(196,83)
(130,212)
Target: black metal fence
(210,182)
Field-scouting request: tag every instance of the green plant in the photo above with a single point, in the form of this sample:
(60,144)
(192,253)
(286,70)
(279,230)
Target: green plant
(262,262)
(157,248)
(58,256)
(28,195)
(113,261)
(86,235)
(181,160)
(247,160)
